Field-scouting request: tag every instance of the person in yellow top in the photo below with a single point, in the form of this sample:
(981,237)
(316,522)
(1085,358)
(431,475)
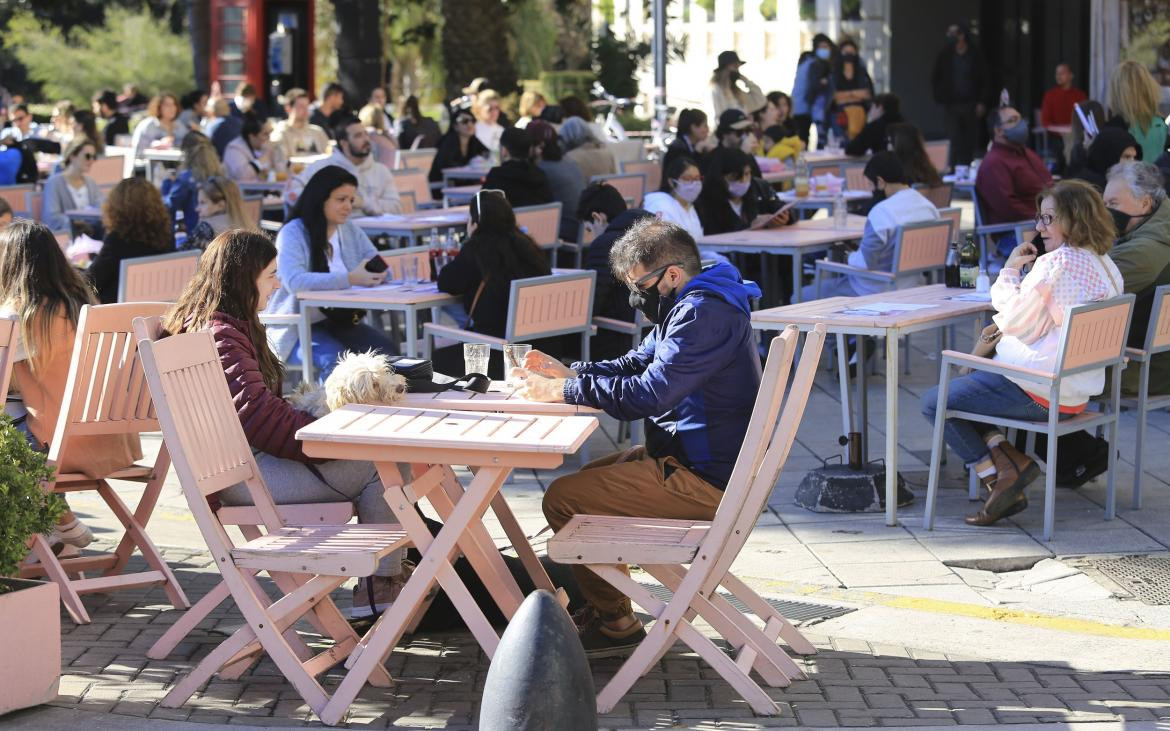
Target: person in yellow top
(775,143)
(47,294)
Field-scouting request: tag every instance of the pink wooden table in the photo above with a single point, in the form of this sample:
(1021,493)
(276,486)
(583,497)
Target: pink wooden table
(492,444)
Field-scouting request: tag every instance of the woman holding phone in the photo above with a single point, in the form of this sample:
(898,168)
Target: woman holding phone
(319,248)
(732,200)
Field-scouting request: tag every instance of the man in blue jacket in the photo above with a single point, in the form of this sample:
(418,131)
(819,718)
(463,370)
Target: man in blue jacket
(694,379)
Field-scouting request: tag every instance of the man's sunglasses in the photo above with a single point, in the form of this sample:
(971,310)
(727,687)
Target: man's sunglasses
(642,283)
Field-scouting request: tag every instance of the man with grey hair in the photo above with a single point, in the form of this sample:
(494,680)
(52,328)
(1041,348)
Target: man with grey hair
(1136,199)
(694,379)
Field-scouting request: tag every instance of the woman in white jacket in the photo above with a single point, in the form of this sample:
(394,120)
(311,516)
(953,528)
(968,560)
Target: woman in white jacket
(1077,232)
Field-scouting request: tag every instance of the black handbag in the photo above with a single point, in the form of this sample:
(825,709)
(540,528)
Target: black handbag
(345,316)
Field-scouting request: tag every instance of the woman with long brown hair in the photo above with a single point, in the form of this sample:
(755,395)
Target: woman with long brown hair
(161,126)
(221,207)
(137,224)
(236,277)
(907,144)
(47,294)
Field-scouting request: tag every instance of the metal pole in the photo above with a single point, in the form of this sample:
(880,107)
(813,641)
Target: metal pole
(660,62)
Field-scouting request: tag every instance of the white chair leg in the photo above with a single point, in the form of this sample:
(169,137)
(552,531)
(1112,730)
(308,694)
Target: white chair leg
(1050,471)
(936,447)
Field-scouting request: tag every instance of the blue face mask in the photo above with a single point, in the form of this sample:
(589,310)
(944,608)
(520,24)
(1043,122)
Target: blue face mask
(1017,134)
(824,54)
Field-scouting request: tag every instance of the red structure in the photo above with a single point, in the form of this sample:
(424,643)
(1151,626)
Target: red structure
(247,39)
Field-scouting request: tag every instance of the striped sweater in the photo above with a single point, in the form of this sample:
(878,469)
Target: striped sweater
(1031,312)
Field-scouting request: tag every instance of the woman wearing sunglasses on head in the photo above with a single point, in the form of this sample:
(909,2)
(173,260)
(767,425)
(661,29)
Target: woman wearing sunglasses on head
(72,188)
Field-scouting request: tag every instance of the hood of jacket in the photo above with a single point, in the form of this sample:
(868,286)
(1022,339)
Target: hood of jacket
(521,172)
(1155,229)
(1106,149)
(724,280)
(625,219)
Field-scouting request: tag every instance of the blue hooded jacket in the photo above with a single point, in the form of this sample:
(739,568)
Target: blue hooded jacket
(694,378)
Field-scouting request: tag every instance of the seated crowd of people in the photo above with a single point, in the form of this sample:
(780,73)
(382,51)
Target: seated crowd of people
(695,375)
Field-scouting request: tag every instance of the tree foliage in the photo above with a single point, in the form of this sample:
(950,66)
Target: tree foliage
(130,46)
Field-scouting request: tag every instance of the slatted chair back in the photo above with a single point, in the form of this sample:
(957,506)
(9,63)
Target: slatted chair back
(767,445)
(541,307)
(17,197)
(954,214)
(542,223)
(1094,335)
(939,153)
(409,204)
(108,170)
(650,168)
(939,195)
(1158,332)
(632,186)
(414,182)
(156,278)
(254,209)
(921,247)
(208,447)
(855,177)
(416,159)
(396,258)
(9,337)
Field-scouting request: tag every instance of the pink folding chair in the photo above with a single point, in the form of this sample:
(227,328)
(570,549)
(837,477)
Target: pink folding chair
(416,159)
(939,195)
(543,224)
(396,258)
(108,171)
(158,278)
(939,153)
(9,338)
(211,453)
(693,557)
(17,197)
(652,169)
(1092,337)
(416,183)
(855,179)
(632,186)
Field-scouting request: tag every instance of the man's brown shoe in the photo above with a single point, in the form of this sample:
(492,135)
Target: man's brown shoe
(983,517)
(1014,472)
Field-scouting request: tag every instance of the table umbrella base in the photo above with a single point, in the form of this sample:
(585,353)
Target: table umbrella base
(839,488)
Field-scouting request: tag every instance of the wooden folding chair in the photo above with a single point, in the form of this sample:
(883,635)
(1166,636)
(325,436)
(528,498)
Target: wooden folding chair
(108,170)
(17,197)
(416,183)
(211,453)
(9,338)
(248,520)
(1157,341)
(939,153)
(652,169)
(1092,337)
(538,307)
(107,395)
(416,159)
(543,224)
(254,209)
(693,557)
(632,186)
(158,278)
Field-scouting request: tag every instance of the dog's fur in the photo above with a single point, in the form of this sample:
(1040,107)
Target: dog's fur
(358,378)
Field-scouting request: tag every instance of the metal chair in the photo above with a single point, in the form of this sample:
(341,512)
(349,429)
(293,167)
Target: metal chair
(1157,341)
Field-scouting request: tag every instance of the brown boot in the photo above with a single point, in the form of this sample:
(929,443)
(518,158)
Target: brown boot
(983,517)
(1014,472)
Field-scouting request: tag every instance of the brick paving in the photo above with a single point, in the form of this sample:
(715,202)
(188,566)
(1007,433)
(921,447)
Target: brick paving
(440,676)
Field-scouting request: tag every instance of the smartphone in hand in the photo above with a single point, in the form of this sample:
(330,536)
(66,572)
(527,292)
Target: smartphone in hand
(376,265)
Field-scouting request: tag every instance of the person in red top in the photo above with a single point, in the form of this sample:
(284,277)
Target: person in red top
(236,276)
(1057,107)
(1010,175)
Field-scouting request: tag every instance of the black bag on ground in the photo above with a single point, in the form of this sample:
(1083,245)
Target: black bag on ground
(1080,456)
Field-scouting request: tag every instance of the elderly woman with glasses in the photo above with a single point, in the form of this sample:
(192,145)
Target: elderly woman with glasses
(1077,232)
(458,147)
(72,188)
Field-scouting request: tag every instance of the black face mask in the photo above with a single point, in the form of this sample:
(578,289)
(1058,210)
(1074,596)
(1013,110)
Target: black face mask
(1121,219)
(879,195)
(652,303)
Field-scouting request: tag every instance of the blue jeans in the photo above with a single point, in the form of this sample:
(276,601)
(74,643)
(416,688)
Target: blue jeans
(331,339)
(981,393)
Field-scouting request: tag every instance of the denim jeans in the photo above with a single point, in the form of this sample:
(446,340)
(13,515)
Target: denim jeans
(331,339)
(981,393)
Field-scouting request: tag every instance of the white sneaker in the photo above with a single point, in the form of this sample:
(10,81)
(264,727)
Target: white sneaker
(74,533)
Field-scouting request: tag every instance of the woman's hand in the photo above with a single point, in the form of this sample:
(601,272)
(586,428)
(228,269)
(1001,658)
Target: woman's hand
(360,277)
(545,365)
(1021,256)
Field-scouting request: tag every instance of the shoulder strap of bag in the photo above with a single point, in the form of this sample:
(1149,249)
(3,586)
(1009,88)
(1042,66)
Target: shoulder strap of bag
(475,300)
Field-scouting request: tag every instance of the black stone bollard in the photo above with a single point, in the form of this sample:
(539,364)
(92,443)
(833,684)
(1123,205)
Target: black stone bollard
(539,679)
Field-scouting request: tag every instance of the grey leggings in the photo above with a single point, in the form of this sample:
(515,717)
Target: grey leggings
(291,482)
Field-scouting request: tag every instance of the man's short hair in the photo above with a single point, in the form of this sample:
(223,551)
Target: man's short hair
(291,96)
(332,88)
(652,243)
(887,166)
(517,142)
(107,98)
(341,127)
(600,197)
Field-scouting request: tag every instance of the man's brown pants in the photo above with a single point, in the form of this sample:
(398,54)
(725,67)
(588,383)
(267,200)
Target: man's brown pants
(627,484)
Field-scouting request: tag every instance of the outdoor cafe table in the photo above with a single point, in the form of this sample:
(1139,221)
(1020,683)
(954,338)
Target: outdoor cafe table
(171,156)
(413,225)
(815,199)
(388,297)
(464,173)
(93,214)
(491,445)
(803,237)
(890,315)
(459,195)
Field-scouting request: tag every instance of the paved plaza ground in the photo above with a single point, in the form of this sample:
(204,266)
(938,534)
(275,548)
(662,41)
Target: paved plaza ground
(958,625)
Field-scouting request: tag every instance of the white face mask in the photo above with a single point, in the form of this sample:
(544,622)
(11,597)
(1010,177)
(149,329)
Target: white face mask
(688,190)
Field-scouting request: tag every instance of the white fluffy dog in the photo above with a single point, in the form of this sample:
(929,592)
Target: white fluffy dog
(358,378)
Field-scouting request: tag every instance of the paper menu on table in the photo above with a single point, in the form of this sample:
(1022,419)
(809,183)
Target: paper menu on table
(885,308)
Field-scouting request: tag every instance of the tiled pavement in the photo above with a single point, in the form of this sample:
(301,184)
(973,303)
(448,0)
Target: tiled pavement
(440,676)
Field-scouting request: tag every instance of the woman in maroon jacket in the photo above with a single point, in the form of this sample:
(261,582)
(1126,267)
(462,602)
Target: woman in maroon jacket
(237,275)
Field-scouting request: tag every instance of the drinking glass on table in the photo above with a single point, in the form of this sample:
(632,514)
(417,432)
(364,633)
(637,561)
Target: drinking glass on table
(514,358)
(409,270)
(475,358)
